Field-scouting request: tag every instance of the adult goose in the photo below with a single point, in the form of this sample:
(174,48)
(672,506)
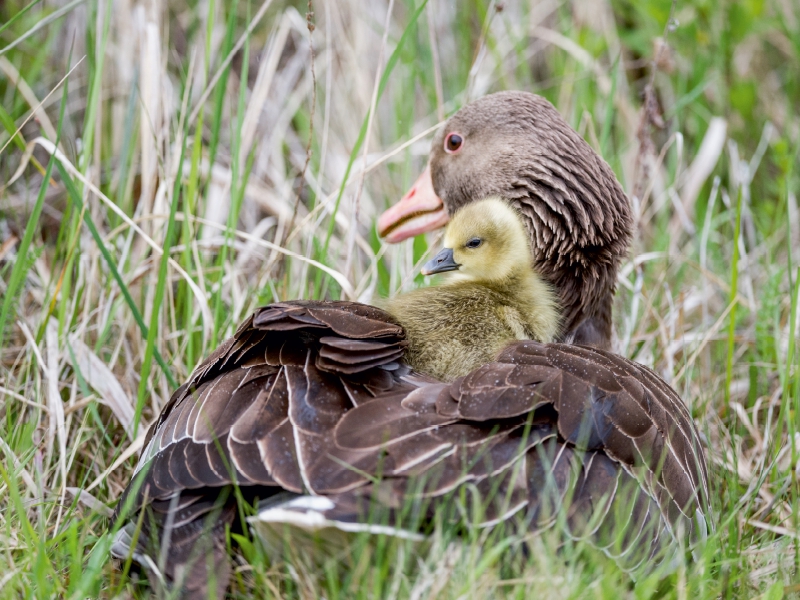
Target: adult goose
(314,397)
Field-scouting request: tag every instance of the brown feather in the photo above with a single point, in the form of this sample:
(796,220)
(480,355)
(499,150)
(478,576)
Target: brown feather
(579,424)
(314,396)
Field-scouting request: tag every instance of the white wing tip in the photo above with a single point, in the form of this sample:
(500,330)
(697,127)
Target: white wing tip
(306,512)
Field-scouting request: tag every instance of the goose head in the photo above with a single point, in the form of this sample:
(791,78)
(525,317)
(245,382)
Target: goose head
(516,145)
(486,243)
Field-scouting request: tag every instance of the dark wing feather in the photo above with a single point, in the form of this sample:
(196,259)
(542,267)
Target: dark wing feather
(312,397)
(182,543)
(617,426)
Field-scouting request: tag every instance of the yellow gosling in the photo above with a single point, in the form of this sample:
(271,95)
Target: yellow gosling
(491,297)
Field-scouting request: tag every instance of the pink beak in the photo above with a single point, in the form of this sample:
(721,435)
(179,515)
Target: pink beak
(419,211)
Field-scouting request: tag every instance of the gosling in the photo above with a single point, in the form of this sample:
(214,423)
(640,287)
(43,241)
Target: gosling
(493,297)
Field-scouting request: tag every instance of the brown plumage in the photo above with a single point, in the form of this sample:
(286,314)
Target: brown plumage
(315,398)
(516,145)
(491,296)
(306,390)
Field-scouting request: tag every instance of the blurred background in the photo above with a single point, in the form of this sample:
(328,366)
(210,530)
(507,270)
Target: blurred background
(213,156)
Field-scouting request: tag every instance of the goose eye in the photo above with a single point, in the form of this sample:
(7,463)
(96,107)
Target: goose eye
(474,243)
(453,143)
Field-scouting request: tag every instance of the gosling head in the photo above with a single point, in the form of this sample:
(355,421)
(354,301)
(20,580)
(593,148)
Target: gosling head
(485,241)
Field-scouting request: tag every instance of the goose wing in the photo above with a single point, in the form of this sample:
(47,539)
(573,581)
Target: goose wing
(545,427)
(262,408)
(313,398)
(592,400)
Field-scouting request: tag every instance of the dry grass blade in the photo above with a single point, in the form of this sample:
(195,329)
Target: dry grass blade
(87,499)
(55,404)
(26,477)
(238,46)
(23,399)
(703,164)
(99,377)
(36,109)
(351,238)
(132,449)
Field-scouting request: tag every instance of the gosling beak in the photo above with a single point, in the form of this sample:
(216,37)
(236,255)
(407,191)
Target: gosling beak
(441,263)
(420,210)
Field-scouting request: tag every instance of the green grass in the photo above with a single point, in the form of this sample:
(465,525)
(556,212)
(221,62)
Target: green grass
(166,221)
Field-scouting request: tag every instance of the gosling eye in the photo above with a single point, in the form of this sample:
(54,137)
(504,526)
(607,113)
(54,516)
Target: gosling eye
(453,142)
(474,243)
